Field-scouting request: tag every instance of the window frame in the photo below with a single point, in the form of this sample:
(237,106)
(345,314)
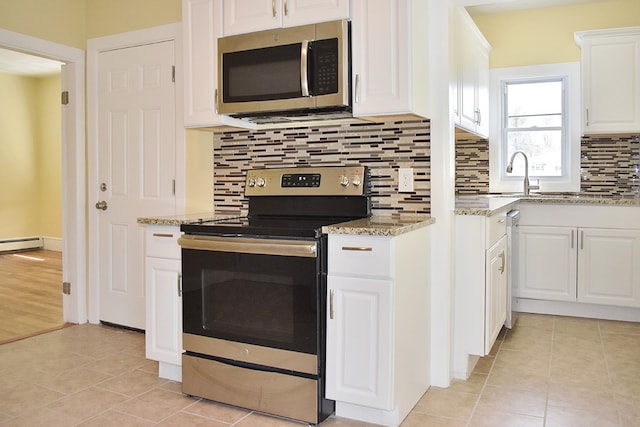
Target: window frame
(499,180)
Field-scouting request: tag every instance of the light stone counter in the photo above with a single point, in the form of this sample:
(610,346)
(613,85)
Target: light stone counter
(580,199)
(483,205)
(192,218)
(488,204)
(380,225)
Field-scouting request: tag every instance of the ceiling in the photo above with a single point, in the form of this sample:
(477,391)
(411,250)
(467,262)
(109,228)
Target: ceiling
(484,7)
(14,62)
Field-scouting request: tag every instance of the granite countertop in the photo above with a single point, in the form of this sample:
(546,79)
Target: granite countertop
(488,204)
(483,205)
(380,225)
(191,218)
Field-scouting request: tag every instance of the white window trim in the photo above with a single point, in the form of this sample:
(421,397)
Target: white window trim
(499,181)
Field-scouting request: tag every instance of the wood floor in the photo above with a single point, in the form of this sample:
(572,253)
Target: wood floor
(30,294)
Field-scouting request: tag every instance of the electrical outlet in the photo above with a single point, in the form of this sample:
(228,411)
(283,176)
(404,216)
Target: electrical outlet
(405,180)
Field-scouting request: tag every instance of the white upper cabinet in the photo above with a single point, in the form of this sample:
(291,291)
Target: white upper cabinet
(610,80)
(470,75)
(201,27)
(247,16)
(389,52)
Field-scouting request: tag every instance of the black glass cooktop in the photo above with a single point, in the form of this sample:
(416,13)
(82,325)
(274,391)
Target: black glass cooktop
(270,227)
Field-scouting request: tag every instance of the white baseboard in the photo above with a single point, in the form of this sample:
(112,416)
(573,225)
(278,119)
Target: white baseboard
(21,243)
(562,308)
(52,243)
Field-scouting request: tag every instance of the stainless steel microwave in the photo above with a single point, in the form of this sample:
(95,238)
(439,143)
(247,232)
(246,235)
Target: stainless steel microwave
(293,71)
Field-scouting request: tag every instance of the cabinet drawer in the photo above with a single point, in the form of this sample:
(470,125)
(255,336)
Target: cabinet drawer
(496,228)
(359,255)
(162,242)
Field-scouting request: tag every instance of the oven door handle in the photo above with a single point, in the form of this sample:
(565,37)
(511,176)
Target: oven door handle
(298,248)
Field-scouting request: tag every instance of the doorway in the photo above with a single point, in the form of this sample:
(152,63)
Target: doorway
(31,191)
(74,244)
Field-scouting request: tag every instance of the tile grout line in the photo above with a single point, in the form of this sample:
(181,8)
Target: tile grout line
(553,343)
(486,380)
(606,364)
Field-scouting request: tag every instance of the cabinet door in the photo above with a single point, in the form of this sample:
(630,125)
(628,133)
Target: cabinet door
(247,16)
(482,91)
(609,267)
(380,52)
(301,12)
(496,292)
(472,72)
(163,334)
(201,27)
(548,258)
(611,84)
(359,342)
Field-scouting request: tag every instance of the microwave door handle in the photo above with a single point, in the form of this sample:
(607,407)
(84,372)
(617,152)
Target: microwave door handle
(304,76)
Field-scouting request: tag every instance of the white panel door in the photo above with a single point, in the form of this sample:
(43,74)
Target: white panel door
(136,169)
(359,342)
(247,16)
(548,263)
(380,49)
(301,12)
(164,310)
(611,86)
(609,267)
(495,292)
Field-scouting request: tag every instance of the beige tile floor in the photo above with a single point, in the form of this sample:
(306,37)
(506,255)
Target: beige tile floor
(548,371)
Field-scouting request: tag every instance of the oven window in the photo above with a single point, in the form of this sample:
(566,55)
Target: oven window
(262,74)
(264,300)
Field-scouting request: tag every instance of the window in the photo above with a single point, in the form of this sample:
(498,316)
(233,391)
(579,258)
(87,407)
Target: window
(535,110)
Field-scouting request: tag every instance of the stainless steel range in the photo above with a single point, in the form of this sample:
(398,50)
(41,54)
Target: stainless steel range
(254,292)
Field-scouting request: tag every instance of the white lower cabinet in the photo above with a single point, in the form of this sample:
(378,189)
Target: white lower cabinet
(163,281)
(359,324)
(495,291)
(589,265)
(548,258)
(481,273)
(378,325)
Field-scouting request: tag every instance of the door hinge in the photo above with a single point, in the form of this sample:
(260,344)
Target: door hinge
(173,187)
(66,288)
(64,98)
(173,73)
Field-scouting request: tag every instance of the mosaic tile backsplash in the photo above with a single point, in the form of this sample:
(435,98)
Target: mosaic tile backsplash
(383,147)
(609,166)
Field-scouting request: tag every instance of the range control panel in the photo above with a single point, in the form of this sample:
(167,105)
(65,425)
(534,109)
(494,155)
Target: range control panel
(309,181)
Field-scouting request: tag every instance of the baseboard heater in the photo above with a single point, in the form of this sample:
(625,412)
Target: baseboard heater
(21,244)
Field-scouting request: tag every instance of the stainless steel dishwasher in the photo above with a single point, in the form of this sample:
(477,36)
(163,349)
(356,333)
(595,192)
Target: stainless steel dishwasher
(513,219)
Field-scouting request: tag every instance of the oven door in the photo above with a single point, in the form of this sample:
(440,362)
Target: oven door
(264,292)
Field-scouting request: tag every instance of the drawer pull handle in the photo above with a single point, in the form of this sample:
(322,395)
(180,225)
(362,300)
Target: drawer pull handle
(162,235)
(357,248)
(501,221)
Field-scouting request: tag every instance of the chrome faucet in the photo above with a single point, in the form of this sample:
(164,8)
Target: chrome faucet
(525,183)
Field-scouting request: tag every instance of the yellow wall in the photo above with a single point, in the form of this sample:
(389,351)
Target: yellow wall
(72,22)
(199,171)
(60,21)
(105,17)
(30,145)
(545,36)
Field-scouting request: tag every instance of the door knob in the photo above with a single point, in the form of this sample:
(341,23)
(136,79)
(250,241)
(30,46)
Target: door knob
(101,205)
